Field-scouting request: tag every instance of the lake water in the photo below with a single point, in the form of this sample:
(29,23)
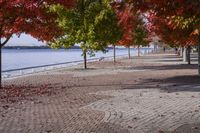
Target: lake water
(22,58)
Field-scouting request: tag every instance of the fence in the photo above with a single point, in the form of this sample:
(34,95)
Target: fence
(35,69)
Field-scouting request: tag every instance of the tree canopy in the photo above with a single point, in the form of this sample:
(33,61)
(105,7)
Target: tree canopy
(91,24)
(30,17)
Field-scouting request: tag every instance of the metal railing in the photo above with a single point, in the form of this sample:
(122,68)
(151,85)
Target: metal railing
(35,69)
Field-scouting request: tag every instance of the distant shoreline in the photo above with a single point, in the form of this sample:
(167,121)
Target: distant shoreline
(35,47)
(46,47)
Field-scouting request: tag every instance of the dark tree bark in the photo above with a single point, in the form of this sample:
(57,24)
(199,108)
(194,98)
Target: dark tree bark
(85,58)
(1,61)
(114,53)
(199,57)
(4,42)
(188,55)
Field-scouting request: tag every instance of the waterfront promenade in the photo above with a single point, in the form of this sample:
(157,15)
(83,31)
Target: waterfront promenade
(155,93)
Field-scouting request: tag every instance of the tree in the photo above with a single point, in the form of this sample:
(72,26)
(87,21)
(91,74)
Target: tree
(181,18)
(174,37)
(30,17)
(91,24)
(140,34)
(178,17)
(135,31)
(125,13)
(126,20)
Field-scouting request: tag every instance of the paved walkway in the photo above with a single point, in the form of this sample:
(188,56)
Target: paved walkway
(149,110)
(150,94)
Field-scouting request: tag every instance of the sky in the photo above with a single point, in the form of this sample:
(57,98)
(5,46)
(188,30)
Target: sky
(24,40)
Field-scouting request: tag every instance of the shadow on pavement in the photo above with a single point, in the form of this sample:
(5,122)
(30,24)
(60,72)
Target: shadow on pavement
(175,84)
(168,67)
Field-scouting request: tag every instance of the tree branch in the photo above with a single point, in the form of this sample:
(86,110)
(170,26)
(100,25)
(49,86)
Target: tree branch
(4,42)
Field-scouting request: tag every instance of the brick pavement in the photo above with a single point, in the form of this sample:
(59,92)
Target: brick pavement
(149,110)
(136,97)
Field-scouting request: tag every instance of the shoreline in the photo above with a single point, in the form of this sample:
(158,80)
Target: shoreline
(58,66)
(45,70)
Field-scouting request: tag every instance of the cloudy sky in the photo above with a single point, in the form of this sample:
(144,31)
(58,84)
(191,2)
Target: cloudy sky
(24,40)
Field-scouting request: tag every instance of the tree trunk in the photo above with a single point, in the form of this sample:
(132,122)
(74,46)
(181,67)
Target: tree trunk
(114,54)
(199,57)
(188,55)
(181,52)
(155,48)
(1,46)
(164,49)
(138,50)
(4,42)
(185,54)
(129,52)
(1,61)
(85,29)
(85,58)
